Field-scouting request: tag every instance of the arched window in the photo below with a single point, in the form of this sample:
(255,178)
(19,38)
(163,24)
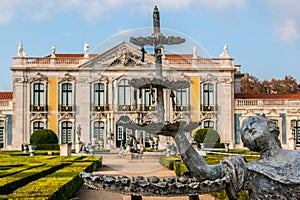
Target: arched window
(124,95)
(38,125)
(98,130)
(66,132)
(208,96)
(38,94)
(209,124)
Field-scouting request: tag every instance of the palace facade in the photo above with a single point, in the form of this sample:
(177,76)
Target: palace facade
(90,94)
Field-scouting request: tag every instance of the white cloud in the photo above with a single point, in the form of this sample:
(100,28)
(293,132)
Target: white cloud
(287,19)
(99,9)
(287,31)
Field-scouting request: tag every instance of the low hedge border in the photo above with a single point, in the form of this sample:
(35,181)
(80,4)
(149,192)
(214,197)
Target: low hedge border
(60,185)
(10,183)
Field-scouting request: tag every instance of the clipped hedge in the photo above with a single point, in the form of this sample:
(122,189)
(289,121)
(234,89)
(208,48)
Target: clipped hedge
(168,161)
(43,136)
(179,167)
(10,183)
(60,185)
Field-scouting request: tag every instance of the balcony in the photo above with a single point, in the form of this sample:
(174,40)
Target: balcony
(127,108)
(66,108)
(209,108)
(143,107)
(38,108)
(100,108)
(179,108)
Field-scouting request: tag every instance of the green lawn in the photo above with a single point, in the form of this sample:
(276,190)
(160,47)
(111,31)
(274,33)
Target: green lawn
(42,176)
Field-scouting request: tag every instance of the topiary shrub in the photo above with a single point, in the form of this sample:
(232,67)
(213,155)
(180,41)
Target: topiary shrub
(209,137)
(43,136)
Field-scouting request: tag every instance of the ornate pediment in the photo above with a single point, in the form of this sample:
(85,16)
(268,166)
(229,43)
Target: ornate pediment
(122,55)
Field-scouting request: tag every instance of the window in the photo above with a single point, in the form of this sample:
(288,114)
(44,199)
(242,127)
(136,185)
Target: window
(66,94)
(124,93)
(66,132)
(208,96)
(208,124)
(296,130)
(1,133)
(148,99)
(182,100)
(120,133)
(38,125)
(98,130)
(99,94)
(128,133)
(38,94)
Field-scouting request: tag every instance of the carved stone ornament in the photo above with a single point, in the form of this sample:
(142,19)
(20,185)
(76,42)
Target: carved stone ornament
(125,59)
(66,116)
(38,116)
(20,80)
(39,77)
(99,116)
(100,78)
(67,78)
(83,81)
(208,78)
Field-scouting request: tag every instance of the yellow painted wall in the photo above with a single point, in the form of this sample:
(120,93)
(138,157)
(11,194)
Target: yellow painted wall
(195,98)
(52,103)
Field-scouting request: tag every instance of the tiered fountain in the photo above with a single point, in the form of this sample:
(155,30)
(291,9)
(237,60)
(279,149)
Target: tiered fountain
(154,186)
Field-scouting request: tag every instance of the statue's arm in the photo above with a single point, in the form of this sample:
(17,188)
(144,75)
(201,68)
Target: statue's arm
(194,162)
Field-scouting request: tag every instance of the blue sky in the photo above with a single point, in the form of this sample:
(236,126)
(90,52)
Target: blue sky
(263,36)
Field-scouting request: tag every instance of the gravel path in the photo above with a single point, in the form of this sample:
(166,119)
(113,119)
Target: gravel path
(129,168)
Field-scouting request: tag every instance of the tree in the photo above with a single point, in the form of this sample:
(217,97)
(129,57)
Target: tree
(250,85)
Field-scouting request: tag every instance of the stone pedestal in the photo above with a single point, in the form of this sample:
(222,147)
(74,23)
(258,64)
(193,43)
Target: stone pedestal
(65,149)
(78,147)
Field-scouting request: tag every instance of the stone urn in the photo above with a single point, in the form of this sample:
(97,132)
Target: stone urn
(31,148)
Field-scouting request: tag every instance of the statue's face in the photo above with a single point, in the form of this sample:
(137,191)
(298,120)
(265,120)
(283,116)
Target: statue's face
(255,133)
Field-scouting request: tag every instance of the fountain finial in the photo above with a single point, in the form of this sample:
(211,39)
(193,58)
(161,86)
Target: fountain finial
(156,21)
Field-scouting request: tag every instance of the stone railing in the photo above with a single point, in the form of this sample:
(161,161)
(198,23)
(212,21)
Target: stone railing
(6,104)
(48,60)
(199,61)
(241,103)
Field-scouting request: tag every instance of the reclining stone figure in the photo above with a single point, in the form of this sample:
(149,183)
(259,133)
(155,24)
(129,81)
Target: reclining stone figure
(275,175)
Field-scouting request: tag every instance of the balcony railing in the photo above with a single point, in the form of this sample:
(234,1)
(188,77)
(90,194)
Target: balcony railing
(265,102)
(127,108)
(142,107)
(209,108)
(99,108)
(66,108)
(38,108)
(182,108)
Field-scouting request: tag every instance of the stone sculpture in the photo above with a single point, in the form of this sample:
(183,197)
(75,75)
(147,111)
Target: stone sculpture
(276,175)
